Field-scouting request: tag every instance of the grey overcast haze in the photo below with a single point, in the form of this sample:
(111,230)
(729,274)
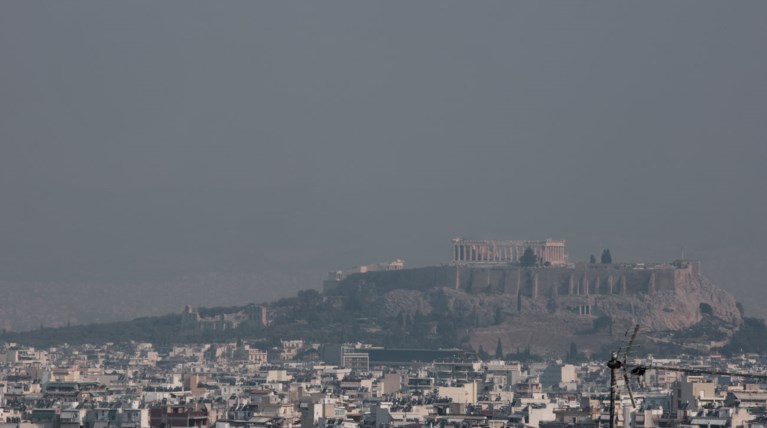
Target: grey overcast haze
(157,154)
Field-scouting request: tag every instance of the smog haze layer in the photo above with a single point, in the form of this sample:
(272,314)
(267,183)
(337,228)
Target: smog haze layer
(162,154)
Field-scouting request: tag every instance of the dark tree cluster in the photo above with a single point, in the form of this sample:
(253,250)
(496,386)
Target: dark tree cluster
(606,258)
(528,258)
(751,337)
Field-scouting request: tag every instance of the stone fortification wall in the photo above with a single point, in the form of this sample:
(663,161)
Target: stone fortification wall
(581,280)
(512,303)
(665,296)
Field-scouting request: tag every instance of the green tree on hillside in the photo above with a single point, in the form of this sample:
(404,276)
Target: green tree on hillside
(572,354)
(499,350)
(483,355)
(528,258)
(607,258)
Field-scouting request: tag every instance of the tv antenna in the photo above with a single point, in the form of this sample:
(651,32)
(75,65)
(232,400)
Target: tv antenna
(615,364)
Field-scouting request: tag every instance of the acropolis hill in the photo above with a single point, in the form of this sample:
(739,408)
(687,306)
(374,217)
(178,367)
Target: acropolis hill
(548,307)
(489,291)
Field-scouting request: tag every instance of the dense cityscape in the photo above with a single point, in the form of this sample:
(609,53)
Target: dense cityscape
(255,379)
(239,384)
(377,214)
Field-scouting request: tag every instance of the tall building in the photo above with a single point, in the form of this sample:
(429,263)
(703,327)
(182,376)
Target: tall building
(347,356)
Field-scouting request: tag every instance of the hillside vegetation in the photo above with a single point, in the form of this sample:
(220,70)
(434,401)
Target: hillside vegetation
(401,310)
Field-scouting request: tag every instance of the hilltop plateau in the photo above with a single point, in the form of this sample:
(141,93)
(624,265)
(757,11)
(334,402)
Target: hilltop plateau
(546,309)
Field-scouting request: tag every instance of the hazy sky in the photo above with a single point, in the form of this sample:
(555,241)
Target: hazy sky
(160,139)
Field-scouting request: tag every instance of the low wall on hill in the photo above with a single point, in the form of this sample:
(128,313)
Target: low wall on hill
(581,280)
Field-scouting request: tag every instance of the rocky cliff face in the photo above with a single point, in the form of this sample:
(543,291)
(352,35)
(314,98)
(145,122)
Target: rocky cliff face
(673,310)
(545,311)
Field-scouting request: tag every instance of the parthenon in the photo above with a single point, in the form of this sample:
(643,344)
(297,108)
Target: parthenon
(469,251)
